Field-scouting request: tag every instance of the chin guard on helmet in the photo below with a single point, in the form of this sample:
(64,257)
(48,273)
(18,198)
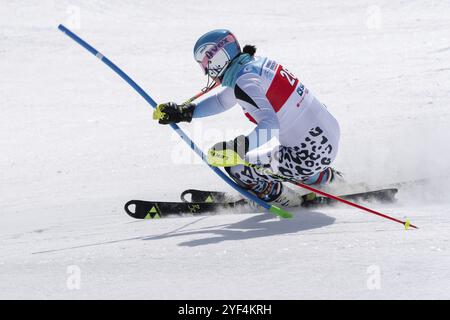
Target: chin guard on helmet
(211,83)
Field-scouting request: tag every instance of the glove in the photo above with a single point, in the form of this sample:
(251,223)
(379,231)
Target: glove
(170,112)
(228,153)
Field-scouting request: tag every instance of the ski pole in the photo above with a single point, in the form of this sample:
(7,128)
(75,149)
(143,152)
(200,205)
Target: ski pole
(271,208)
(198,95)
(406,223)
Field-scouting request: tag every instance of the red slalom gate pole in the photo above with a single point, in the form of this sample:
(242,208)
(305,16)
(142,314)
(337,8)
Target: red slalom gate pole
(406,223)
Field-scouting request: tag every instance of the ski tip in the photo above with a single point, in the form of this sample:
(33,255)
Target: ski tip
(280,212)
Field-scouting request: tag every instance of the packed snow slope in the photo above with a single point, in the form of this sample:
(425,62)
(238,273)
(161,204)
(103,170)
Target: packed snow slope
(77,143)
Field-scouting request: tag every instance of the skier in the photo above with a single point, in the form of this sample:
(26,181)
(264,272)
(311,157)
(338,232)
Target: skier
(295,134)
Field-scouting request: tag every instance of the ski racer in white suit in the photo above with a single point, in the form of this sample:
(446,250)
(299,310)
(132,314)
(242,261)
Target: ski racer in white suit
(295,135)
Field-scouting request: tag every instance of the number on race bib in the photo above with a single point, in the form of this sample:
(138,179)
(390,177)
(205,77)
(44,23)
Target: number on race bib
(281,88)
(289,76)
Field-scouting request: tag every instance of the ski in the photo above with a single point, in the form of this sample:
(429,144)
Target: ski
(202,202)
(310,200)
(140,209)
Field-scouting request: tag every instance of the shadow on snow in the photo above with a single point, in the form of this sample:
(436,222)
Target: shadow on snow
(257,226)
(263,225)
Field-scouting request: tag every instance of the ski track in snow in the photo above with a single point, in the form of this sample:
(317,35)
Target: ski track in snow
(77,143)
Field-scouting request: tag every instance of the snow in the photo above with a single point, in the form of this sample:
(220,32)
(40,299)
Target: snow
(77,143)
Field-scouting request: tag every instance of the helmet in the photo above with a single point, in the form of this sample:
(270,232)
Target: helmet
(215,50)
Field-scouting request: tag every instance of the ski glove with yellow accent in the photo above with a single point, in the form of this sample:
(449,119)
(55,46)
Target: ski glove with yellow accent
(170,112)
(229,153)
